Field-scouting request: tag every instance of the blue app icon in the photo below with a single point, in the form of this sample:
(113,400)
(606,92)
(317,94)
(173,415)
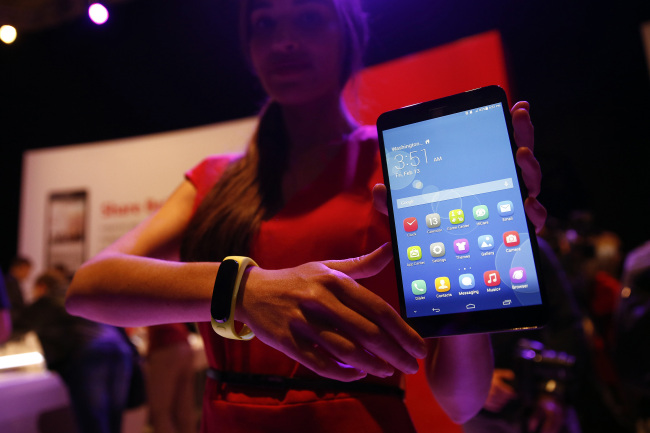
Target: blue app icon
(505,208)
(485,242)
(466,281)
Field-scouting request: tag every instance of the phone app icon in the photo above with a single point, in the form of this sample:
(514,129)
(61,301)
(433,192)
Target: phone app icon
(437,249)
(433,220)
(414,253)
(456,216)
(410,224)
(485,242)
(481,212)
(461,246)
(505,208)
(511,239)
(518,275)
(492,278)
(419,287)
(467,281)
(442,284)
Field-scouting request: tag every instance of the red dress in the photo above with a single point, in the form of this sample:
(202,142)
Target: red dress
(331,218)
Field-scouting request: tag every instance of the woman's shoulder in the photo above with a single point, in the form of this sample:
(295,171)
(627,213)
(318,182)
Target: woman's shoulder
(364,134)
(210,169)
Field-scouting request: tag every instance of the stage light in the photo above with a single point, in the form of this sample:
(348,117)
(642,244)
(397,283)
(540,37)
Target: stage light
(8,34)
(98,13)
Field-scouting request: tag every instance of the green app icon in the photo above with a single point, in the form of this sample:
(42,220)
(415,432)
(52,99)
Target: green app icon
(414,253)
(481,212)
(456,216)
(419,287)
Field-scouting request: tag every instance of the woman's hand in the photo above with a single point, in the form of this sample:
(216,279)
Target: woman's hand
(501,392)
(320,316)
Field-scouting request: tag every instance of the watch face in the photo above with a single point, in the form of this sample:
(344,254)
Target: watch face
(223,289)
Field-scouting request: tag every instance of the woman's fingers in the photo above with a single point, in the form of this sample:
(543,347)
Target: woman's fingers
(380,198)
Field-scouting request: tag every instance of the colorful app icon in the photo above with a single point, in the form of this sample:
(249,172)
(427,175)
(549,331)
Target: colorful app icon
(518,275)
(410,224)
(505,208)
(442,284)
(466,281)
(419,287)
(461,246)
(456,216)
(511,239)
(433,220)
(437,249)
(414,253)
(492,278)
(481,212)
(485,242)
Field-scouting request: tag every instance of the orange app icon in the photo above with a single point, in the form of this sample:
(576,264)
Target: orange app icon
(442,284)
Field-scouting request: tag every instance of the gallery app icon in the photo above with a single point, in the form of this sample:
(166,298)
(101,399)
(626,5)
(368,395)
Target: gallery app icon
(433,220)
(414,253)
(456,216)
(410,224)
(481,212)
(492,278)
(461,246)
(442,284)
(518,275)
(511,239)
(505,208)
(437,249)
(466,281)
(485,242)
(419,287)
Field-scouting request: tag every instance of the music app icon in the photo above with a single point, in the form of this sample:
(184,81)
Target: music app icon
(492,278)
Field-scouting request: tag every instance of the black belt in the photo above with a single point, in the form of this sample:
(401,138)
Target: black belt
(298,383)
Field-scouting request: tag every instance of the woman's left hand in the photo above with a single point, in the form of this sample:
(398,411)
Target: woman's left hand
(531,172)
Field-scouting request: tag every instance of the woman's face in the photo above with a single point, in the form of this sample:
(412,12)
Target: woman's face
(295,47)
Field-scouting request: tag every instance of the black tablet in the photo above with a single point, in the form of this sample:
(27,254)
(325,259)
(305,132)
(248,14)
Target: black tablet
(465,252)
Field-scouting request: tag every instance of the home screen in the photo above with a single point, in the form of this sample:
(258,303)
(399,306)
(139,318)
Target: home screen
(462,235)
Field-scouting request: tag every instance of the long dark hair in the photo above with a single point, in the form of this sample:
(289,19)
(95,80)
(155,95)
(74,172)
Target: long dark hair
(250,189)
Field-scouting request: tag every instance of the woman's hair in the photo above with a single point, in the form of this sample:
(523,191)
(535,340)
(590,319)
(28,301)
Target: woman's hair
(250,189)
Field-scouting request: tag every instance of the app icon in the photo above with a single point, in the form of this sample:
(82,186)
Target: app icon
(481,212)
(485,242)
(511,239)
(518,275)
(414,253)
(433,220)
(410,224)
(442,284)
(437,249)
(461,246)
(492,278)
(466,281)
(419,287)
(456,216)
(505,208)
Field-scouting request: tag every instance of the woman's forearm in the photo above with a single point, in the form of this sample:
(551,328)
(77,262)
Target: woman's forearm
(459,371)
(127,290)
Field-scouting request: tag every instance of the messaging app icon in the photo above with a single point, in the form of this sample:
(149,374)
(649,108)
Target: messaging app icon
(466,281)
(456,216)
(414,253)
(505,208)
(518,275)
(419,287)
(485,242)
(442,284)
(437,249)
(481,212)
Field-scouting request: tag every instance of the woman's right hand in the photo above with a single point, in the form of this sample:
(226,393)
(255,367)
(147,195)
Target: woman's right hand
(318,315)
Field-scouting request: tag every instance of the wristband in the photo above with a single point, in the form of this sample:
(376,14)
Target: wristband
(224,298)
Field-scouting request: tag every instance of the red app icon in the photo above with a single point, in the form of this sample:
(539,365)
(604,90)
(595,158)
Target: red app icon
(511,239)
(410,224)
(492,278)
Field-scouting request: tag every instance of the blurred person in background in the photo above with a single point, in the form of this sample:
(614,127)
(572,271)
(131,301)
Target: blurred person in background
(5,314)
(93,359)
(19,270)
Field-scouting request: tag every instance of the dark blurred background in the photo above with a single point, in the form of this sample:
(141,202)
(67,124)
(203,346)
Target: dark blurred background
(163,65)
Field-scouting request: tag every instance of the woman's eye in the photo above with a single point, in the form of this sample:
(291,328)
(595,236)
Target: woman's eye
(310,19)
(262,24)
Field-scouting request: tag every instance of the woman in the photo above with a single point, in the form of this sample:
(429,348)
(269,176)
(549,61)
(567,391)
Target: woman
(300,197)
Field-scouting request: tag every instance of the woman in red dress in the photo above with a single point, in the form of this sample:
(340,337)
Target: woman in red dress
(305,201)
